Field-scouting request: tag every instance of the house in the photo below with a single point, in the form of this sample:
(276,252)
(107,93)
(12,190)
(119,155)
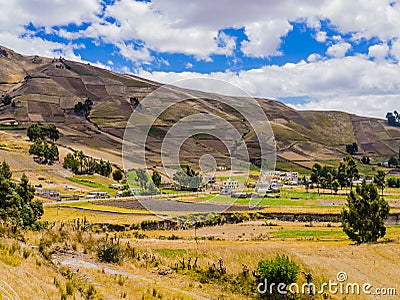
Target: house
(49,194)
(210,179)
(116,186)
(98,195)
(263,187)
(220,168)
(230,184)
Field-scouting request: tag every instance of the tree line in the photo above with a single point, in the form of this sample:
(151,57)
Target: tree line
(81,164)
(332,178)
(188,179)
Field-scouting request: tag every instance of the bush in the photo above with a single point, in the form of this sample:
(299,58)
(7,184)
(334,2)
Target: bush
(279,270)
(111,253)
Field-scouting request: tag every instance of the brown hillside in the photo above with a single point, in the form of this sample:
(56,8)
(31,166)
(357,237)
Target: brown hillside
(45,90)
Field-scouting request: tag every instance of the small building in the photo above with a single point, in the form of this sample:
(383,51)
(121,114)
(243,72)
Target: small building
(210,179)
(230,184)
(49,194)
(116,186)
(98,195)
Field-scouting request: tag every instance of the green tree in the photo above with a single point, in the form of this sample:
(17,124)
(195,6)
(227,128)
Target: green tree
(16,205)
(34,132)
(117,175)
(380,180)
(6,99)
(363,218)
(351,169)
(104,168)
(71,163)
(83,109)
(45,153)
(335,186)
(342,176)
(156,177)
(316,175)
(52,132)
(352,148)
(393,162)
(188,179)
(142,178)
(306,183)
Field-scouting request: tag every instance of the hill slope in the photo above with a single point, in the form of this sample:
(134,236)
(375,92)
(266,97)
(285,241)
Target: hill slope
(45,90)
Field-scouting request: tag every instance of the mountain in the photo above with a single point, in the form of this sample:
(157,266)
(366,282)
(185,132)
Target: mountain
(45,90)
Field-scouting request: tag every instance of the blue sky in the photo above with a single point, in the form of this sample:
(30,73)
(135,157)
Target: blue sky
(336,54)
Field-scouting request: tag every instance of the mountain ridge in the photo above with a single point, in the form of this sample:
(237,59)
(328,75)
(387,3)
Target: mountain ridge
(45,90)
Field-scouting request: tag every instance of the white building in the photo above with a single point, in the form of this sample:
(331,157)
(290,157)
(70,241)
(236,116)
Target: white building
(230,184)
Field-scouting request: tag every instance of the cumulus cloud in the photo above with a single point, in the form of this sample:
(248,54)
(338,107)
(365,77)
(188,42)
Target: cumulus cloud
(140,30)
(338,50)
(265,38)
(378,52)
(354,84)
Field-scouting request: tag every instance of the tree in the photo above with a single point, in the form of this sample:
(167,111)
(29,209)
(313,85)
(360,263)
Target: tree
(351,169)
(335,186)
(393,118)
(306,183)
(363,219)
(342,176)
(379,180)
(104,168)
(16,205)
(352,148)
(44,152)
(366,160)
(316,175)
(117,175)
(71,163)
(188,179)
(52,132)
(34,132)
(6,99)
(393,162)
(83,109)
(142,178)
(156,177)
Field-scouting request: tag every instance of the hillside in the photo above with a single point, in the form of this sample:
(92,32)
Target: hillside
(45,90)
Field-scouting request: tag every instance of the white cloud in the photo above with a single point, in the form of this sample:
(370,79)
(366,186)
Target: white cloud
(378,52)
(321,36)
(137,56)
(354,84)
(338,50)
(265,38)
(395,50)
(314,57)
(188,65)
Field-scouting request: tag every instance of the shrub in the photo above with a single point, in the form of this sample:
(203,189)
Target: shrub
(111,253)
(279,270)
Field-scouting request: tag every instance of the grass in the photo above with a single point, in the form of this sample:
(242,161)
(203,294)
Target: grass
(293,233)
(292,167)
(53,214)
(85,182)
(171,253)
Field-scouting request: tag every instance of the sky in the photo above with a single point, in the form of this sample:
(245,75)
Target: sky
(311,54)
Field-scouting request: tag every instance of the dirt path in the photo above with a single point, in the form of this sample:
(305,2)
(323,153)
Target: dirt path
(80,263)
